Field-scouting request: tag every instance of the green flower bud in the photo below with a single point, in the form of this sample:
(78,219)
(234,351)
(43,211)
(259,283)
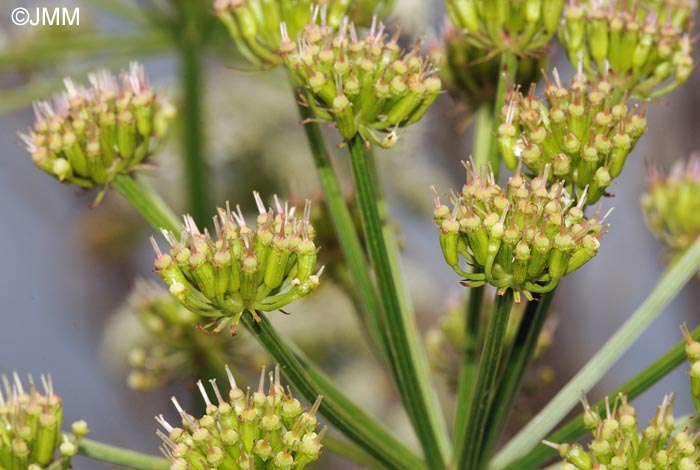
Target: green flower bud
(88,136)
(372,86)
(671,205)
(254,25)
(31,430)
(525,238)
(576,129)
(260,445)
(524,28)
(618,444)
(643,48)
(241,269)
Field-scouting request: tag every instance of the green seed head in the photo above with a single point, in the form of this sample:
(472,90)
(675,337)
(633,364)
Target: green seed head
(268,437)
(525,237)
(643,47)
(31,416)
(364,85)
(241,268)
(89,135)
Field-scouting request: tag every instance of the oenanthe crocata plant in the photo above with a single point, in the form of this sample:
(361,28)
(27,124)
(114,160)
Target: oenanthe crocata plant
(565,147)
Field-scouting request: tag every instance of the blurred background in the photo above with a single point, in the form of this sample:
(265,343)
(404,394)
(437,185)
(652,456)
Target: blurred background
(69,268)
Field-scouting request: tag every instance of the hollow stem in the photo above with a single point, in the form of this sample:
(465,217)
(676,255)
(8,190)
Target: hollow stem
(467,370)
(483,135)
(408,358)
(118,456)
(471,445)
(192,118)
(515,366)
(147,202)
(347,234)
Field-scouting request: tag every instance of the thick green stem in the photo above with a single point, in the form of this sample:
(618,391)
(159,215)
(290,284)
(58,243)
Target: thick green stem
(347,417)
(471,445)
(413,383)
(481,144)
(675,277)
(467,370)
(345,230)
(515,366)
(509,66)
(192,119)
(147,202)
(118,456)
(483,134)
(574,429)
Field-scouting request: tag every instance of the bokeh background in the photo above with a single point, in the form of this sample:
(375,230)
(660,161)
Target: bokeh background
(68,268)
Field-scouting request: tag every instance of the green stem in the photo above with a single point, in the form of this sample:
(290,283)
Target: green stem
(483,131)
(118,456)
(393,252)
(147,202)
(467,370)
(345,230)
(574,429)
(515,366)
(408,359)
(508,68)
(192,116)
(483,134)
(486,379)
(335,406)
(675,277)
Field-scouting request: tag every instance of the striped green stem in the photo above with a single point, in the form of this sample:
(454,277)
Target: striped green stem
(471,445)
(404,346)
(668,286)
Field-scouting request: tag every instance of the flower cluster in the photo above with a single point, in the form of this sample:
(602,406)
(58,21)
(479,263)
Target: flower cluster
(672,205)
(254,25)
(250,430)
(524,238)
(522,28)
(617,443)
(637,45)
(90,135)
(361,85)
(30,427)
(579,131)
(243,268)
(172,345)
(470,75)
